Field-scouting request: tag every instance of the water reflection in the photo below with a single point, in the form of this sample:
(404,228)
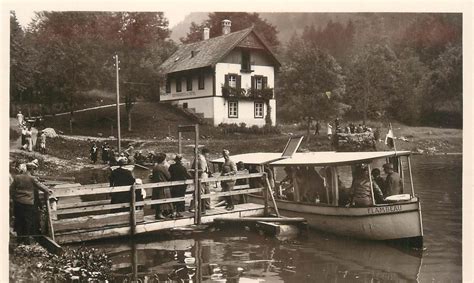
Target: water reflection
(216,256)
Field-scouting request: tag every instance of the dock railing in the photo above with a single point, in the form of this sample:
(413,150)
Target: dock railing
(87,209)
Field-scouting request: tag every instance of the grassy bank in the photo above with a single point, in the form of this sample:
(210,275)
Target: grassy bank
(32,263)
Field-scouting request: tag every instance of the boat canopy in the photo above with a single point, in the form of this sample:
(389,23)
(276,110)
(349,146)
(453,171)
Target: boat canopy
(336,158)
(258,158)
(311,158)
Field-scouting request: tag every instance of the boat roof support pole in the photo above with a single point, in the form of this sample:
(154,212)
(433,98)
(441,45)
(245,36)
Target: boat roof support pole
(335,185)
(371,185)
(411,177)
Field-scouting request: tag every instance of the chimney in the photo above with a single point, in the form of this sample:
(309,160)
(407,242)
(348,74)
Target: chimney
(226,26)
(206,33)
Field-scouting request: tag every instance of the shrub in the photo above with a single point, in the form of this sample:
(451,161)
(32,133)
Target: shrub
(242,128)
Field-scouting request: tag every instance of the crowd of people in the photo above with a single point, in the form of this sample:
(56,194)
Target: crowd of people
(30,136)
(165,170)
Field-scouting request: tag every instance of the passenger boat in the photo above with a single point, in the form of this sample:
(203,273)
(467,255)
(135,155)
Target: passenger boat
(397,218)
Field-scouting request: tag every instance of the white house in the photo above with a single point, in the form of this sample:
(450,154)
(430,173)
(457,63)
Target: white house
(228,79)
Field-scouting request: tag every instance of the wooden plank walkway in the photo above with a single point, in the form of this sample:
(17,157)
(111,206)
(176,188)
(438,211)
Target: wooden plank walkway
(150,224)
(85,212)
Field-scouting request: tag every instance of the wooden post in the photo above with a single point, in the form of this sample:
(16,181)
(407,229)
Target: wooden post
(133,220)
(197,189)
(180,149)
(48,210)
(134,262)
(270,191)
(265,196)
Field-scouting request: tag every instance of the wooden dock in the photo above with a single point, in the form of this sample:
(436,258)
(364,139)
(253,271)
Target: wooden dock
(84,212)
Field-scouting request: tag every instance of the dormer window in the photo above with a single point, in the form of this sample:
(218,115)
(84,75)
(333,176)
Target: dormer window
(245,61)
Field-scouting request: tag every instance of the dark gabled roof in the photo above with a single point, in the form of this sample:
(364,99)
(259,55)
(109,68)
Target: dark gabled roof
(207,52)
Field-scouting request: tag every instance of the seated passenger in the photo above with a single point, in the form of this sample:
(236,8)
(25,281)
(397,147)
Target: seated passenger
(393,183)
(361,191)
(316,190)
(377,179)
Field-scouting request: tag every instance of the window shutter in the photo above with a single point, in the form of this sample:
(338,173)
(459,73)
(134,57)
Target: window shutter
(226,80)
(264,82)
(252,81)
(238,82)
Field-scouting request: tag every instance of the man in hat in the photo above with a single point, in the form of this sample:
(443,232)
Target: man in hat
(93,152)
(161,174)
(122,177)
(24,191)
(179,173)
(393,183)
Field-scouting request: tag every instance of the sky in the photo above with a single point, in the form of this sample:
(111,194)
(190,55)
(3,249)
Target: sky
(26,14)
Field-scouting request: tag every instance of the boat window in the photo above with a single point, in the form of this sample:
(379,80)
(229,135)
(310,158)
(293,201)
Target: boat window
(307,184)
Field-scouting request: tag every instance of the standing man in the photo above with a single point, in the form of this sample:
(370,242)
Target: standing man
(179,173)
(24,191)
(105,152)
(203,174)
(393,183)
(93,152)
(161,174)
(317,128)
(122,177)
(43,142)
(228,168)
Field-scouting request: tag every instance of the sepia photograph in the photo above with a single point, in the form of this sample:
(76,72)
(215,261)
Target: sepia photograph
(239,145)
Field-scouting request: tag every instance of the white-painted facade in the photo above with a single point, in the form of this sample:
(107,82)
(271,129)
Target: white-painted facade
(210,101)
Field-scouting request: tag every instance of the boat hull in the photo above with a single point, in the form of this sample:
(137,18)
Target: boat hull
(386,222)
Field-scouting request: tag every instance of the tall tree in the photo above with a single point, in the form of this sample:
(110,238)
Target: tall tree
(240,21)
(20,79)
(372,81)
(311,83)
(139,36)
(441,87)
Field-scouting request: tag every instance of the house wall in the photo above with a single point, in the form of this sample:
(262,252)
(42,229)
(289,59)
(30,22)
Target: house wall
(207,91)
(246,112)
(225,68)
(257,57)
(202,105)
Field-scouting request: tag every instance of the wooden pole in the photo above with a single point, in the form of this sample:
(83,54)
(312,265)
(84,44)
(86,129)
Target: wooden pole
(119,141)
(180,148)
(197,189)
(133,220)
(270,191)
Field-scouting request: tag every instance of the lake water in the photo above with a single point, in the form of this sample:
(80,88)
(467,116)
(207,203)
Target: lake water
(239,255)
